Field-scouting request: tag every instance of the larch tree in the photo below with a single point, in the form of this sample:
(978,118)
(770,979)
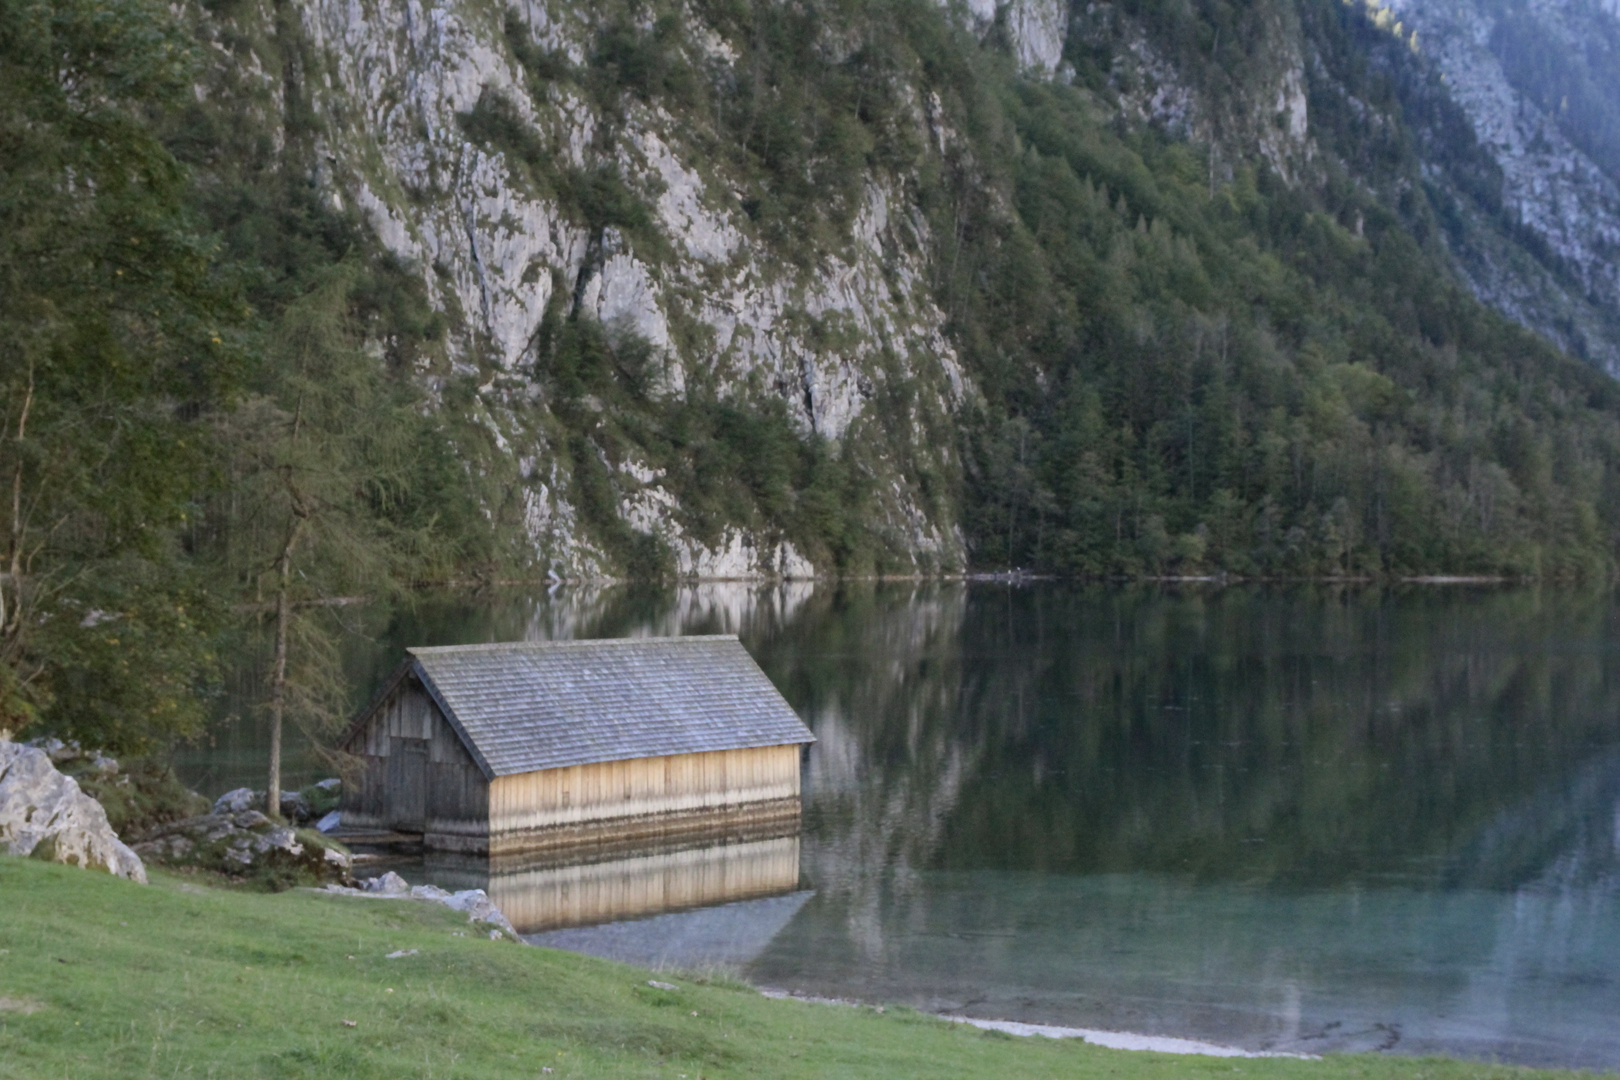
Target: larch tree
(321,457)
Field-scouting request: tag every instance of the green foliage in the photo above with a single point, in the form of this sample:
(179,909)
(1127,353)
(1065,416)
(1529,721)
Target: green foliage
(119,334)
(1258,379)
(142,795)
(727,463)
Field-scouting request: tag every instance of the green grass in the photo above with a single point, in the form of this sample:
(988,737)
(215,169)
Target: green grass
(99,977)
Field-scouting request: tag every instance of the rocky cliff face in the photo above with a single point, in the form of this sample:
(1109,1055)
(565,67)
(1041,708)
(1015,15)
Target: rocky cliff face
(827,328)
(527,163)
(1540,83)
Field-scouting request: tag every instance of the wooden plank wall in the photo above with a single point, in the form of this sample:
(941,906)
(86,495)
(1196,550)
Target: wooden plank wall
(537,900)
(457,794)
(550,798)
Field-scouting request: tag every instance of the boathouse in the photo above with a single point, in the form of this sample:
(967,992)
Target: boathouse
(521,747)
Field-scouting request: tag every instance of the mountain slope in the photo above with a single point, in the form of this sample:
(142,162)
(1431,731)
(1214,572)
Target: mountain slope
(1540,85)
(726,288)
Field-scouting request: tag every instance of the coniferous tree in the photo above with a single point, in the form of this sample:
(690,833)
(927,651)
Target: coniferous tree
(322,455)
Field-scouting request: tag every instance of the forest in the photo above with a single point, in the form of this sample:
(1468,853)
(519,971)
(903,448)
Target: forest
(227,412)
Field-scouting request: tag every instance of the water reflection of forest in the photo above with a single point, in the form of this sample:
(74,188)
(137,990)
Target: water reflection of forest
(1301,817)
(1304,734)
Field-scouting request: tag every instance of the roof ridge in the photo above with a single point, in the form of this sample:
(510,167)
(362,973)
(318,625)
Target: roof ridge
(515,646)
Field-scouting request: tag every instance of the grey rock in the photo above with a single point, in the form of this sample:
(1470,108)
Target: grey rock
(44,812)
(234,802)
(337,858)
(294,807)
(656,985)
(104,765)
(475,902)
(329,822)
(60,752)
(283,839)
(249,819)
(400,954)
(330,784)
(388,884)
(479,908)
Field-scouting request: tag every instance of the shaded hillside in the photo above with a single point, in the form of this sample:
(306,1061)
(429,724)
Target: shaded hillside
(729,288)
(732,288)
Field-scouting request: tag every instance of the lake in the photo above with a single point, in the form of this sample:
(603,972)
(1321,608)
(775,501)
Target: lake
(1304,818)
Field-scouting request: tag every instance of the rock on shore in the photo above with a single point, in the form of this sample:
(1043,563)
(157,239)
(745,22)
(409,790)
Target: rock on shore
(243,842)
(475,902)
(45,814)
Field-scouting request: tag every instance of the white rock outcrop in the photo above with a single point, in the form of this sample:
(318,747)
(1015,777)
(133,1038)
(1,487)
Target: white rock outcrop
(1038,29)
(43,813)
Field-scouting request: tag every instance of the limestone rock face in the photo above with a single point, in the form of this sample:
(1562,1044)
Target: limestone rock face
(714,302)
(43,813)
(1557,183)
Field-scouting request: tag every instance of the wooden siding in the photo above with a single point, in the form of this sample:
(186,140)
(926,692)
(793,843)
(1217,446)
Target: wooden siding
(414,774)
(556,897)
(639,787)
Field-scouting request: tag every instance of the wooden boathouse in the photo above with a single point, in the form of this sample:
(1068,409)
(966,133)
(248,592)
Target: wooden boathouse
(521,747)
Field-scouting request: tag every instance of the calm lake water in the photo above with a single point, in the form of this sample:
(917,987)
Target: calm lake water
(1310,819)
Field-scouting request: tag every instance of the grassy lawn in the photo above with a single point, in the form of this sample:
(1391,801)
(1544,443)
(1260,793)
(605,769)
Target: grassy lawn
(101,978)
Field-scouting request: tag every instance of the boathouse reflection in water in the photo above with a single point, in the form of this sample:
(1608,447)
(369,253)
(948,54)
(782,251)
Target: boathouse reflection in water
(582,886)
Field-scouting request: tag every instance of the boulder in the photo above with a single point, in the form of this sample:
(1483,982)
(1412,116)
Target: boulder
(479,908)
(45,814)
(294,807)
(389,884)
(234,802)
(298,807)
(58,751)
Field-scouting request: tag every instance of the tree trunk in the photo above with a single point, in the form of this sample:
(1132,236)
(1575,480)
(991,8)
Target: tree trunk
(11,615)
(278,670)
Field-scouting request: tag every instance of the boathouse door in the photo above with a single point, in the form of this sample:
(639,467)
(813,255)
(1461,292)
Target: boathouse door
(407,784)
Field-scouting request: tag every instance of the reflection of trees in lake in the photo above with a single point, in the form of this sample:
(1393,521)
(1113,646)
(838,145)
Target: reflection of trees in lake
(1304,735)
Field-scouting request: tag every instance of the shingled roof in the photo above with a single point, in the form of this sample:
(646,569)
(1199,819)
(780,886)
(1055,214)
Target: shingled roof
(531,705)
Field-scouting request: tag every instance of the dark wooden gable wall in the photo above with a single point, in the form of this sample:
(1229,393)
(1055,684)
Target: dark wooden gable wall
(414,773)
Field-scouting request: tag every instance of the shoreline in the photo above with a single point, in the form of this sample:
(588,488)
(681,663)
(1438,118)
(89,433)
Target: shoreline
(1112,1040)
(101,978)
